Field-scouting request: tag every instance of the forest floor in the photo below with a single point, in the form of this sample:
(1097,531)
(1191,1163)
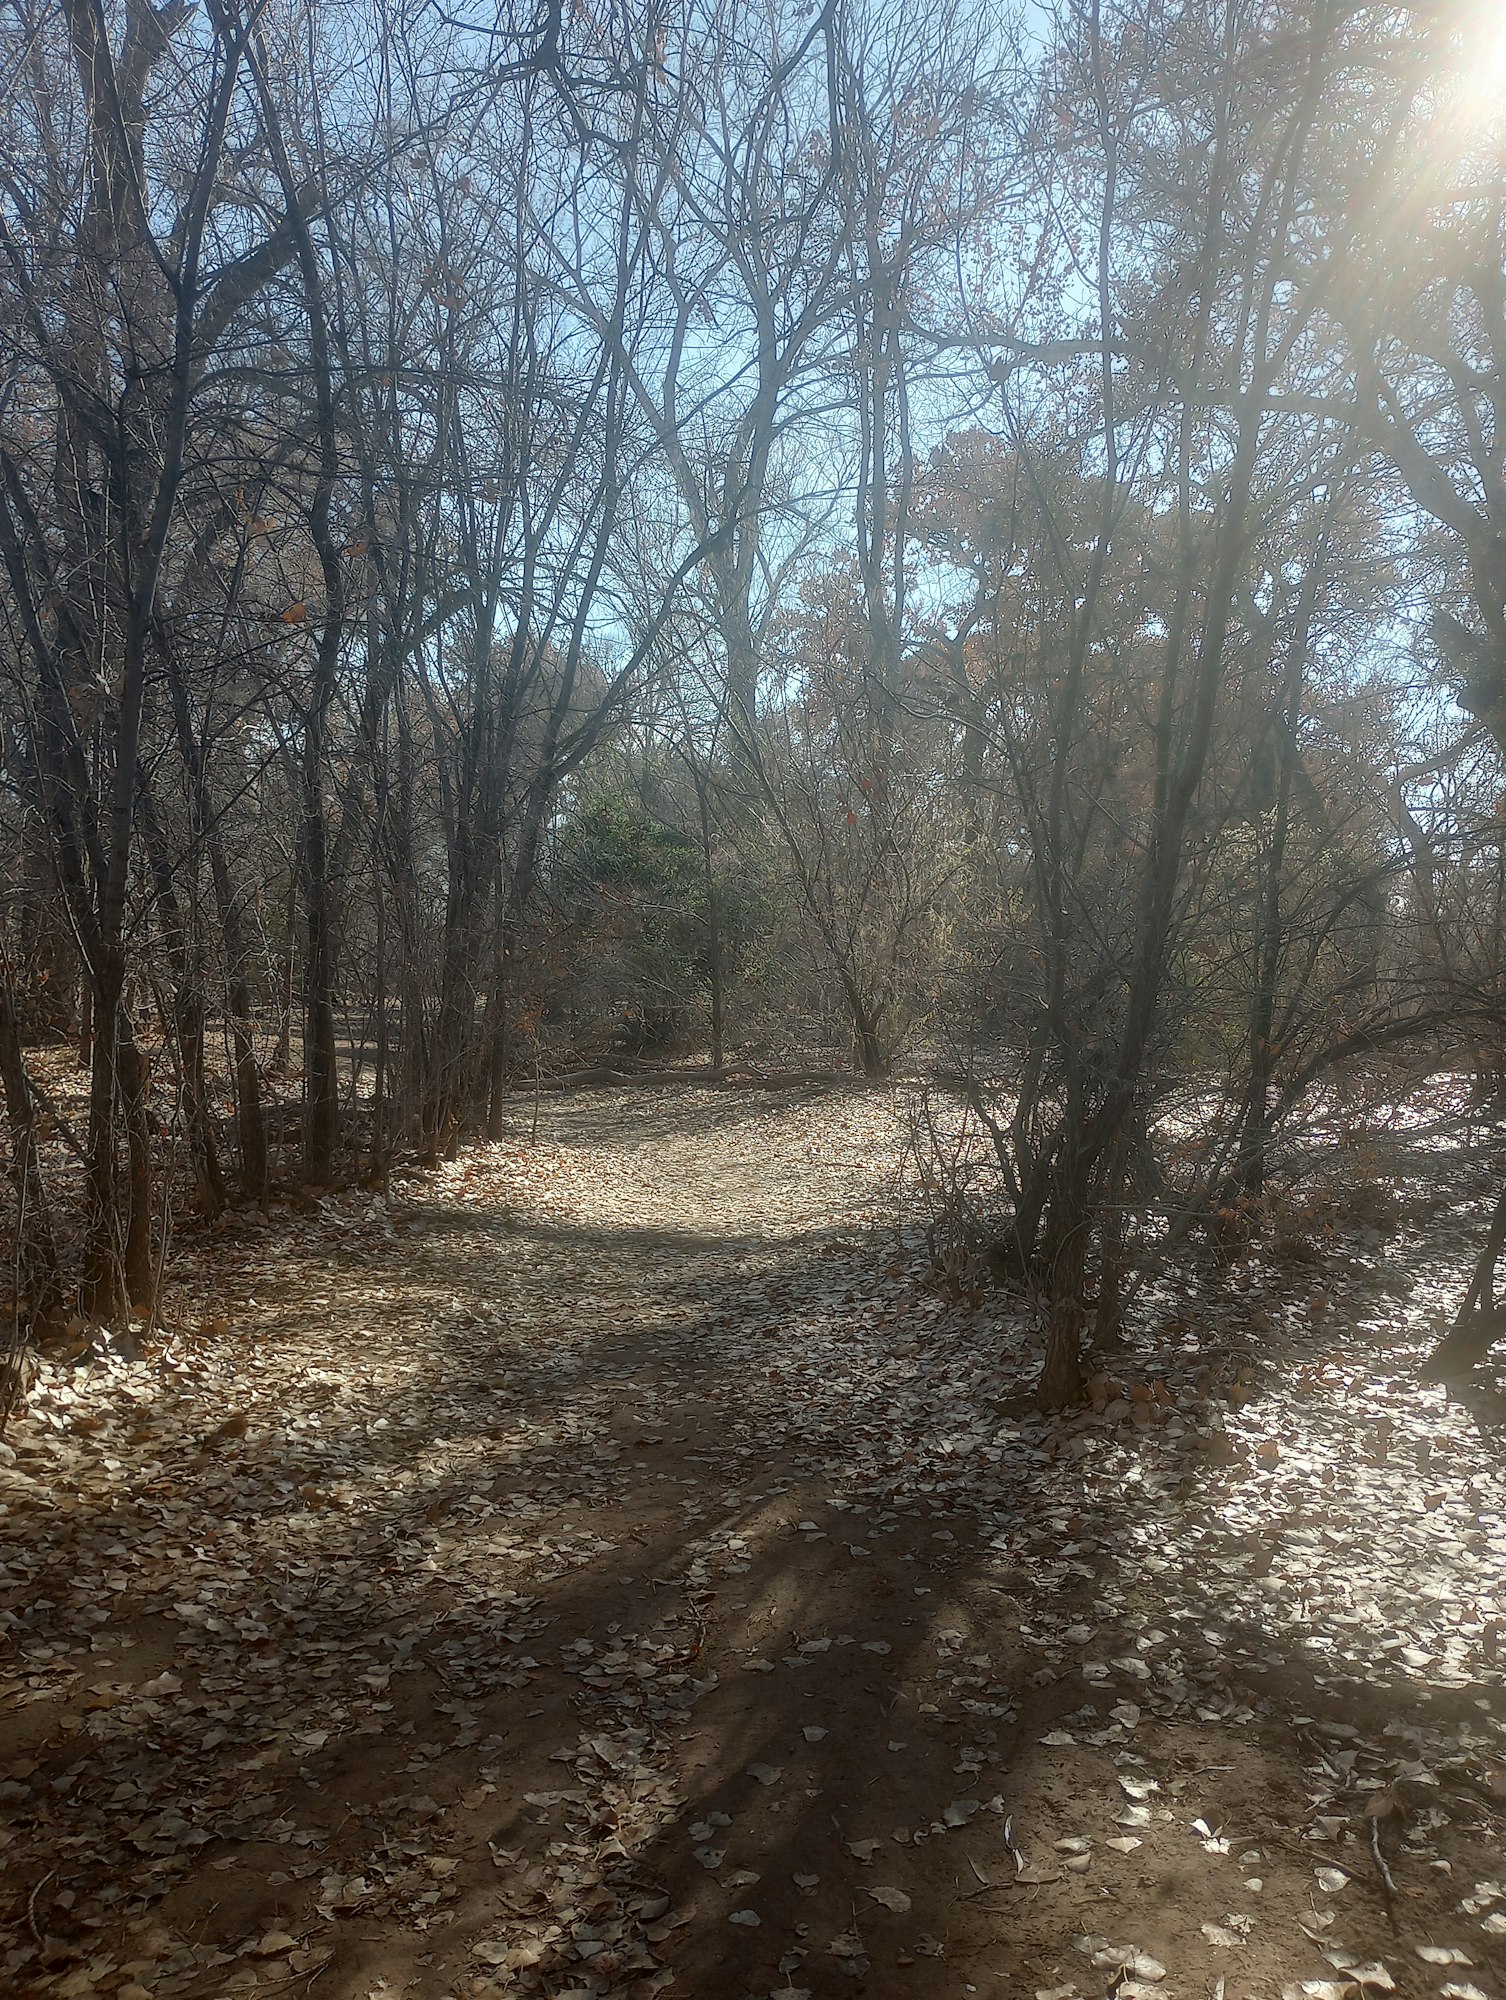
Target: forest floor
(609,1565)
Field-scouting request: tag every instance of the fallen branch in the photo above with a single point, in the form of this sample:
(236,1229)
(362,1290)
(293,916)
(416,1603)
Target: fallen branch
(1387,1881)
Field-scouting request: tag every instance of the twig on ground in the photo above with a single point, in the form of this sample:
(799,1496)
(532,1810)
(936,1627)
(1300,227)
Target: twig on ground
(1387,1882)
(31,1906)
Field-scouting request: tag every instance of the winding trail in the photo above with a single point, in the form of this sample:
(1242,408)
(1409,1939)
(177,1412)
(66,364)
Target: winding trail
(613,1569)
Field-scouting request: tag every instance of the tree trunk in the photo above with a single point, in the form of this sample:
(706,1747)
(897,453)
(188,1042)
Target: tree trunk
(321,1129)
(1113,1209)
(1480,1321)
(380,1148)
(104,1292)
(321,1086)
(713,923)
(250,1125)
(1250,1166)
(1060,1384)
(1013,1254)
(1069,1228)
(282,1054)
(187,1013)
(139,1264)
(871,1050)
(499,1047)
(36,1254)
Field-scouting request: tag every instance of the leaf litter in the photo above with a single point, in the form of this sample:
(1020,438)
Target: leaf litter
(416,1504)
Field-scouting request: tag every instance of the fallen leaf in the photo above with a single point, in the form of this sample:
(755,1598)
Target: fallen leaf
(892,1899)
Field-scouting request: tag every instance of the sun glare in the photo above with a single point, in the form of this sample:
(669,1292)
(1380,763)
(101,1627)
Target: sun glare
(1483,63)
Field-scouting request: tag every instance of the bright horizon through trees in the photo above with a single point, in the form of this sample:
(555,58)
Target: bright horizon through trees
(733,526)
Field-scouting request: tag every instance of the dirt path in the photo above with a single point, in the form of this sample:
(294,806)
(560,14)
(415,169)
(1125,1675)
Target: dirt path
(612,1569)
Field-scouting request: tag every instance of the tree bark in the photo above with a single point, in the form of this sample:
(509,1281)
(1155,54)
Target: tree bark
(36,1252)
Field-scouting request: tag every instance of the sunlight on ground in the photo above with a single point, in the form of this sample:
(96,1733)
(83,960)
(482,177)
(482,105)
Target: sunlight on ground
(572,1591)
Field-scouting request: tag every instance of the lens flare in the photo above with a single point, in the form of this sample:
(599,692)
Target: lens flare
(1482,73)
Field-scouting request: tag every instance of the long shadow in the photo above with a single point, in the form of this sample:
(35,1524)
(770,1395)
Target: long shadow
(504,1228)
(1029,1551)
(262,1502)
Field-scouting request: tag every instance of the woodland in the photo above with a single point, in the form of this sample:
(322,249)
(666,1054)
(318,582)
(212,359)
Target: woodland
(752,798)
